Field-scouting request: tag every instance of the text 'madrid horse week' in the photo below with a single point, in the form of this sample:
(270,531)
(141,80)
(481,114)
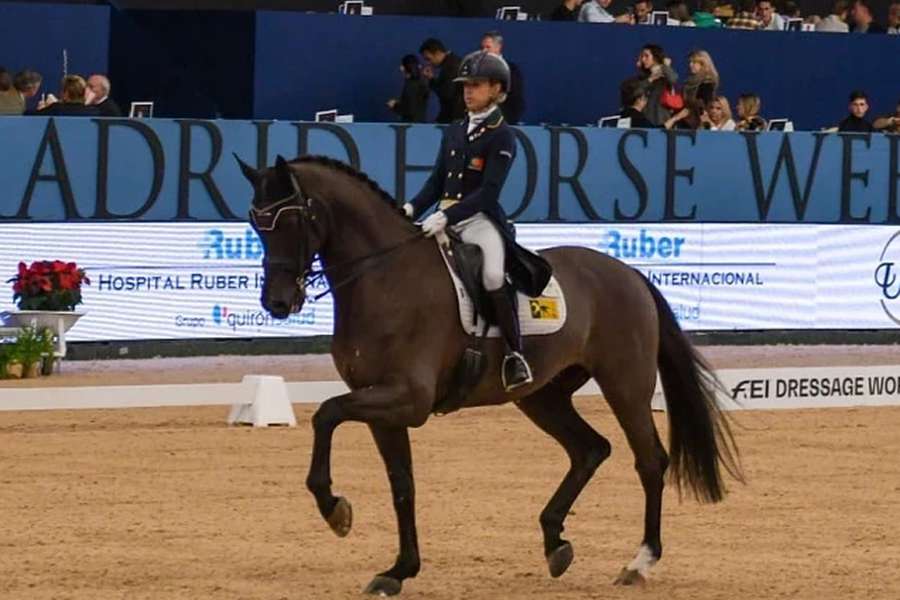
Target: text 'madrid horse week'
(397,339)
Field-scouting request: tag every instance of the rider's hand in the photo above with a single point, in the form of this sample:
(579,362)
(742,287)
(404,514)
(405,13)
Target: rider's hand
(434,224)
(407,210)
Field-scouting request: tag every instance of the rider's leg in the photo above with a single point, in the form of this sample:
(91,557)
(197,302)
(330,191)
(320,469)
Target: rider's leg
(480,230)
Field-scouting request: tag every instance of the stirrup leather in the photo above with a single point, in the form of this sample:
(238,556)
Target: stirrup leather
(520,362)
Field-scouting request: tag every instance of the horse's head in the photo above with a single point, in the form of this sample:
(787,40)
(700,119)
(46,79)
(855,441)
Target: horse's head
(284,218)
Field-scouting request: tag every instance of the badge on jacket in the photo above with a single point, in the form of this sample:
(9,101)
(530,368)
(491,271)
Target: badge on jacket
(477,163)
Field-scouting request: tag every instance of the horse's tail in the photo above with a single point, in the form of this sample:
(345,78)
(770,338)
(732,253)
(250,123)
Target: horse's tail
(699,437)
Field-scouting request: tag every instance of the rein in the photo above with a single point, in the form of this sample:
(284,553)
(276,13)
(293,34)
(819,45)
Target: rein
(269,215)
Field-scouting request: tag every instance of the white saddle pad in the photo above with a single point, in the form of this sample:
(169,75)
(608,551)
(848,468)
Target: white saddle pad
(543,315)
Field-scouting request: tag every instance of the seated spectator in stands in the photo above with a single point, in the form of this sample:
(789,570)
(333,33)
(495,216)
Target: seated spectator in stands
(640,12)
(748,107)
(567,11)
(412,105)
(655,70)
(26,84)
(745,18)
(705,18)
(9,100)
(633,97)
(863,21)
(594,11)
(890,123)
(698,91)
(836,22)
(514,106)
(856,120)
(679,12)
(718,116)
(894,18)
(72,104)
(98,96)
(449,94)
(769,18)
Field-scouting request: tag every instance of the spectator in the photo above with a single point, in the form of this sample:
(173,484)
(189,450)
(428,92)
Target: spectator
(769,19)
(718,116)
(745,17)
(567,11)
(514,106)
(633,95)
(699,90)
(25,85)
(890,123)
(640,12)
(863,21)
(894,18)
(8,97)
(74,90)
(837,21)
(412,105)
(449,94)
(98,96)
(856,120)
(678,12)
(594,11)
(658,76)
(748,107)
(705,17)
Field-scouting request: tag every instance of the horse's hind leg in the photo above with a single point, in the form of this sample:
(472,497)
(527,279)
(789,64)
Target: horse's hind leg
(629,396)
(551,409)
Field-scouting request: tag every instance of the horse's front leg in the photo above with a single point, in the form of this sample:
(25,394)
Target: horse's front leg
(393,444)
(393,406)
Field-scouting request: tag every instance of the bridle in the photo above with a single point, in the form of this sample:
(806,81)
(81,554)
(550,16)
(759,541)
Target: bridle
(266,219)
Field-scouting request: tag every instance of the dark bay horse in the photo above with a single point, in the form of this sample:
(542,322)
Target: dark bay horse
(397,339)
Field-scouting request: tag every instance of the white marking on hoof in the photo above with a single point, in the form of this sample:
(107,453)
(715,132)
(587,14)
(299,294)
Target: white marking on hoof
(643,562)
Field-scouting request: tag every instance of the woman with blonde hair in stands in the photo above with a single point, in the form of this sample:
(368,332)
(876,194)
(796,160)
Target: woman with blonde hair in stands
(718,115)
(748,107)
(699,91)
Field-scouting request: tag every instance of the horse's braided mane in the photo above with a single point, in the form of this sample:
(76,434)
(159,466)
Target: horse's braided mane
(343,167)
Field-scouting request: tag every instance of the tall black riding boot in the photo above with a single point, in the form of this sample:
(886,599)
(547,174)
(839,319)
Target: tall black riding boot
(515,370)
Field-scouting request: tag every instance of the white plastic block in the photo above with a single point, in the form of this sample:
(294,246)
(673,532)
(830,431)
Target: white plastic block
(264,402)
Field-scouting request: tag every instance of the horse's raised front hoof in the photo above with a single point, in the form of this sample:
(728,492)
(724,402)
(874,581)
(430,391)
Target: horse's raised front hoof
(383,586)
(629,577)
(560,559)
(341,518)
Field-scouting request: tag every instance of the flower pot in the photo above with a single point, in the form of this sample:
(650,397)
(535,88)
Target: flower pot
(14,370)
(33,370)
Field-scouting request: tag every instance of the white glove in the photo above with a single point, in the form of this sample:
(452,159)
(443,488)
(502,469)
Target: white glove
(434,224)
(408,210)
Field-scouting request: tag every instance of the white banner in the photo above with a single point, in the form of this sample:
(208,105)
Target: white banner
(202,280)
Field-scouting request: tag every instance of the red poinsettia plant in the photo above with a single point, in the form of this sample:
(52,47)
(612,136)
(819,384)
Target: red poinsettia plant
(48,285)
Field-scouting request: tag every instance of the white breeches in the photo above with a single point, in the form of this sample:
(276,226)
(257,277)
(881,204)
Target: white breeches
(479,229)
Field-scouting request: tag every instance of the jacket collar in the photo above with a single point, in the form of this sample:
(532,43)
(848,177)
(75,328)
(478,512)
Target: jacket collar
(494,120)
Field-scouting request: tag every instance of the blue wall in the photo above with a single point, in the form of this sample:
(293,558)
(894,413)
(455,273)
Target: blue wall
(34,36)
(57,167)
(307,62)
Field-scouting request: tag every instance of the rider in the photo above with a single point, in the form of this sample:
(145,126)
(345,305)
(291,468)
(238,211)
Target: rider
(471,167)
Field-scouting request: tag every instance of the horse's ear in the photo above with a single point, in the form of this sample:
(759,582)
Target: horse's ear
(281,165)
(252,175)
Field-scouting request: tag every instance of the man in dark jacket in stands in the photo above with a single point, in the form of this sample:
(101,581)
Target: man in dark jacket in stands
(856,120)
(98,96)
(514,107)
(449,94)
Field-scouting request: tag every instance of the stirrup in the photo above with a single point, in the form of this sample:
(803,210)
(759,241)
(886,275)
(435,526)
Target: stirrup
(521,374)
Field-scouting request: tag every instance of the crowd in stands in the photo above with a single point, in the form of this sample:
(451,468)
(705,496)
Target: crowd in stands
(77,97)
(847,16)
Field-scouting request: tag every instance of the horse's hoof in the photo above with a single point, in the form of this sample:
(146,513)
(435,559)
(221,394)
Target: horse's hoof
(560,559)
(629,577)
(383,586)
(341,518)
